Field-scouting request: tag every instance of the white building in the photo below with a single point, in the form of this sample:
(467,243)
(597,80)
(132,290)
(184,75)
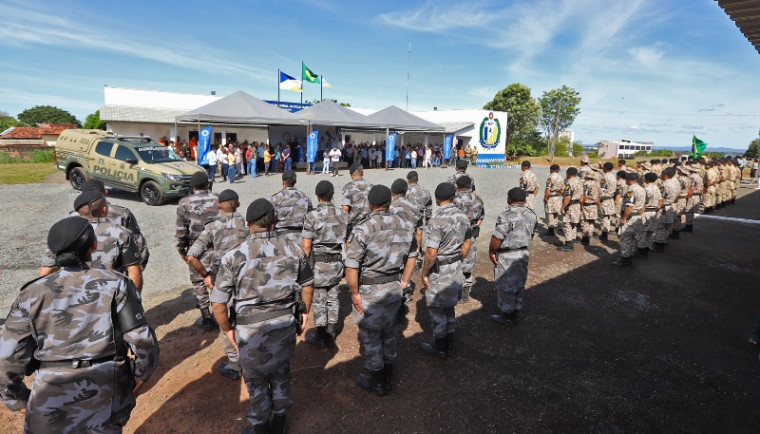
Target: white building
(622,149)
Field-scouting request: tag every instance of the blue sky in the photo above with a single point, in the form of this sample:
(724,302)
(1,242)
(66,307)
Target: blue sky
(658,70)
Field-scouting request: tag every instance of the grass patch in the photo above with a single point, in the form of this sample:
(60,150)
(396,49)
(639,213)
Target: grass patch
(25,173)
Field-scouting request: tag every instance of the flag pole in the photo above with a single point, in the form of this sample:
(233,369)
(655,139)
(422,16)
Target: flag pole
(320,88)
(302,84)
(278,87)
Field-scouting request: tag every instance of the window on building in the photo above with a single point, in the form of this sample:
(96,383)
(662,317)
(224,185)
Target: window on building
(104,148)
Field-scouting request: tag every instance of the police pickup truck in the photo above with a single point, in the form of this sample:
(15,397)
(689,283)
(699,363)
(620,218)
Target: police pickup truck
(131,164)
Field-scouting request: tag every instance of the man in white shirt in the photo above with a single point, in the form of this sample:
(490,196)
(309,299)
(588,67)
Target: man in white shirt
(212,165)
(335,155)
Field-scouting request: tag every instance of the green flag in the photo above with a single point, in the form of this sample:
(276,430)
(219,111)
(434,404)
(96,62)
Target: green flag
(697,146)
(308,75)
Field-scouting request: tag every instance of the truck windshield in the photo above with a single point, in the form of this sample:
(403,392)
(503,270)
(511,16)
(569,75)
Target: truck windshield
(157,154)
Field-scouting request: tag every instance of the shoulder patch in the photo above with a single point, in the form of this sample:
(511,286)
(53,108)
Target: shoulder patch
(629,194)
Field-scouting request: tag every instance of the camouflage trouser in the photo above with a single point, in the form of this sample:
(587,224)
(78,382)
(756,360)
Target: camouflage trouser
(266,349)
(607,215)
(709,197)
(229,349)
(530,201)
(722,193)
(445,289)
(589,215)
(509,279)
(552,208)
(200,290)
(570,220)
(97,399)
(649,222)
(629,234)
(665,224)
(325,306)
(380,304)
(692,206)
(680,208)
(468,264)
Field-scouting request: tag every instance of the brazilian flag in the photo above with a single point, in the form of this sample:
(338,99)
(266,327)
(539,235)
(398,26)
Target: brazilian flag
(697,146)
(308,75)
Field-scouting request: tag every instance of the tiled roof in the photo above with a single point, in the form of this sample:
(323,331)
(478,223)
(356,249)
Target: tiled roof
(148,115)
(36,132)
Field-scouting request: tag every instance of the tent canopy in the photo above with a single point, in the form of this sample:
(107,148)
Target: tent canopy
(240,108)
(329,113)
(397,119)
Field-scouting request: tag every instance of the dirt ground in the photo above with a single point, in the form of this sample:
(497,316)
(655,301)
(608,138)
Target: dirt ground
(658,347)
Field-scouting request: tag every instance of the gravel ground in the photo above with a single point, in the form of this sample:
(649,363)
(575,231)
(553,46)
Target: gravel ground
(23,233)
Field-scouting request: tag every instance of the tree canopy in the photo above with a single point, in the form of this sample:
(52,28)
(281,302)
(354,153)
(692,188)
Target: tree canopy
(93,122)
(753,151)
(564,102)
(7,121)
(523,115)
(47,114)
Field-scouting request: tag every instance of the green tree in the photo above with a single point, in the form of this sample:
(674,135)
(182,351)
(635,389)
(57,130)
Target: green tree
(7,121)
(47,114)
(754,149)
(559,108)
(562,148)
(523,113)
(93,122)
(531,144)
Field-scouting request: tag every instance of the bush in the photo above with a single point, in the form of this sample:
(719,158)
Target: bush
(5,158)
(42,156)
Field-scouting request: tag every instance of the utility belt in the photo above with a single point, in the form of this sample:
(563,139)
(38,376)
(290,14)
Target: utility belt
(328,257)
(76,364)
(290,229)
(573,202)
(380,279)
(450,260)
(510,249)
(254,318)
(607,197)
(590,204)
(651,208)
(555,195)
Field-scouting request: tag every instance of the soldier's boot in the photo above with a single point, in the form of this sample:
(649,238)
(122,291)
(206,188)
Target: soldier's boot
(320,339)
(331,333)
(465,294)
(641,253)
(688,228)
(230,370)
(675,235)
(603,236)
(507,319)
(567,247)
(585,241)
(372,382)
(388,376)
(206,321)
(549,232)
(623,262)
(262,428)
(277,426)
(439,348)
(658,247)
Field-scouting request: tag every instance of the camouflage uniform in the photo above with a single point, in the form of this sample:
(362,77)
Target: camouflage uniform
(650,215)
(585,168)
(453,179)
(446,232)
(556,185)
(620,189)
(473,207)
(669,190)
(680,204)
(589,208)
(193,212)
(355,196)
(124,217)
(634,197)
(692,205)
(220,236)
(529,183)
(116,249)
(572,215)
(71,318)
(291,206)
(408,210)
(262,275)
(608,215)
(379,247)
(711,177)
(514,227)
(326,226)
(422,198)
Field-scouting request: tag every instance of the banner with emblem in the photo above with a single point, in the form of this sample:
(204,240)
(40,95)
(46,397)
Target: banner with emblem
(448,142)
(204,146)
(312,142)
(490,131)
(390,147)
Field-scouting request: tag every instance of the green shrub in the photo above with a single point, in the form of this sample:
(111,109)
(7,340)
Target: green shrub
(5,158)
(42,156)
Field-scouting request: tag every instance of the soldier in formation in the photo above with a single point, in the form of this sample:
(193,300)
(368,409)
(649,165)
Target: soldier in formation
(421,196)
(590,204)
(529,183)
(555,187)
(474,208)
(77,387)
(631,219)
(291,206)
(607,213)
(461,170)
(354,197)
(571,209)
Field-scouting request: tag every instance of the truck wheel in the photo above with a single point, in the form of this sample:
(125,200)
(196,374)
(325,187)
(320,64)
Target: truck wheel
(77,177)
(151,193)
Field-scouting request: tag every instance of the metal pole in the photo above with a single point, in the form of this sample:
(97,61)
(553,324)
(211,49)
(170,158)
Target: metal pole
(408,61)
(556,131)
(302,84)
(320,89)
(278,88)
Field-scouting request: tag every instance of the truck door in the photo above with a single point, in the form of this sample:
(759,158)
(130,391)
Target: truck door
(102,161)
(125,174)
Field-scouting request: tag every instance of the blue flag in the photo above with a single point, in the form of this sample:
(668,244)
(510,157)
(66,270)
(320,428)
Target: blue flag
(390,147)
(204,146)
(448,140)
(311,146)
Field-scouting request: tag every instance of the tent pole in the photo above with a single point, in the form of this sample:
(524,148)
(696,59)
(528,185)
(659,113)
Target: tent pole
(320,89)
(278,88)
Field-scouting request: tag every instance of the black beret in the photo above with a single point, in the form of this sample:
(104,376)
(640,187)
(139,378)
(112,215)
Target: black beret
(412,175)
(654,161)
(445,191)
(258,209)
(228,195)
(572,171)
(198,179)
(621,173)
(464,181)
(516,194)
(676,164)
(650,177)
(324,187)
(525,163)
(669,171)
(379,195)
(86,198)
(399,186)
(70,234)
(554,167)
(289,175)
(354,167)
(93,184)
(461,164)
(631,175)
(608,166)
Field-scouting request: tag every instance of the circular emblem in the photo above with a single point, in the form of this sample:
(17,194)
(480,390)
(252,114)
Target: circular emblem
(490,132)
(205,133)
(313,135)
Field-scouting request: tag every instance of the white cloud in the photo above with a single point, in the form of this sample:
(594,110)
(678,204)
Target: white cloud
(646,56)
